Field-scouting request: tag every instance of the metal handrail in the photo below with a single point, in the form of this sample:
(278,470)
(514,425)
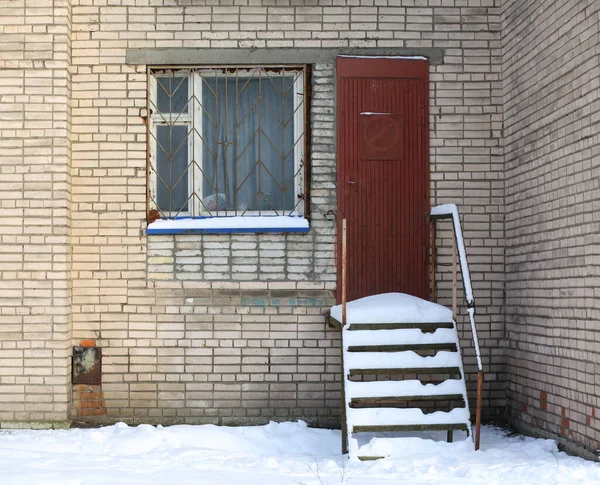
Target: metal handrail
(450,211)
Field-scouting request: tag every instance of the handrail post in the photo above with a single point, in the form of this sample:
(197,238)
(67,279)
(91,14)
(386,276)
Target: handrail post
(433,261)
(344,272)
(454,278)
(344,285)
(478,410)
(444,211)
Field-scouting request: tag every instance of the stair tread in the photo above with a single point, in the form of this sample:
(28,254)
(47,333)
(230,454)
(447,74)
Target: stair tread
(410,370)
(370,458)
(405,417)
(411,387)
(399,360)
(424,326)
(365,402)
(398,336)
(384,428)
(403,348)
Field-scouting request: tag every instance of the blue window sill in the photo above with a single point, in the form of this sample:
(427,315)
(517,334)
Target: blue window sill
(230,225)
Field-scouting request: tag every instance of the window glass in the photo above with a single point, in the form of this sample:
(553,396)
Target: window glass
(248,129)
(172,167)
(172,94)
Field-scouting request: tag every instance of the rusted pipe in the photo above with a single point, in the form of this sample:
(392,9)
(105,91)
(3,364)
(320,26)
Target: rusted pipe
(454,278)
(344,285)
(433,261)
(478,410)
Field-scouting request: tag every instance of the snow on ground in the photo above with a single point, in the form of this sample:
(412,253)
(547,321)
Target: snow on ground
(276,454)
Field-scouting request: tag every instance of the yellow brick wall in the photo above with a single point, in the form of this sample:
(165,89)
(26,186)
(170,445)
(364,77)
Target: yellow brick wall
(222,345)
(35,193)
(552,123)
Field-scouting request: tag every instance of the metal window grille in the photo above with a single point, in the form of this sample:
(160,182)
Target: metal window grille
(227,141)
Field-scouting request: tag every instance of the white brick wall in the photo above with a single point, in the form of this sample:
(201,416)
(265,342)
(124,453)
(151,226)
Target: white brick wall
(552,107)
(35,186)
(185,336)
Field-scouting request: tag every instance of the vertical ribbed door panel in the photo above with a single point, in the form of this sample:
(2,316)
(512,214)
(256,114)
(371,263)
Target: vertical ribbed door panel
(383,174)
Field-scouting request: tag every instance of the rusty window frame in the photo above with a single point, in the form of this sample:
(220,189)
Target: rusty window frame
(195,75)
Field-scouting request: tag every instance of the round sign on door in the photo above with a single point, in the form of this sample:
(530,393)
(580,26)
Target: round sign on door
(380,136)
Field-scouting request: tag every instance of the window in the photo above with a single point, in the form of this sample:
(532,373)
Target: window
(227,141)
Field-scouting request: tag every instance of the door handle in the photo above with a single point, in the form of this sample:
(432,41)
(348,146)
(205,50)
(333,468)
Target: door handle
(352,182)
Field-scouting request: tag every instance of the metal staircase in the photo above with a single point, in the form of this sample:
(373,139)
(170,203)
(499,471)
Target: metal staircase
(402,364)
(423,368)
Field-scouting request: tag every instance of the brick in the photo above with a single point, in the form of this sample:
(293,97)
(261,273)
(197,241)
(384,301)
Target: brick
(130,291)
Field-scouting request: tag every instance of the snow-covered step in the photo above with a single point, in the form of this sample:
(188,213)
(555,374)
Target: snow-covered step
(408,388)
(418,348)
(392,308)
(404,337)
(395,428)
(400,360)
(373,419)
(428,327)
(421,444)
(385,334)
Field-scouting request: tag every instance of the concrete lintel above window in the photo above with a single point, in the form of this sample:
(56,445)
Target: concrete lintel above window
(190,56)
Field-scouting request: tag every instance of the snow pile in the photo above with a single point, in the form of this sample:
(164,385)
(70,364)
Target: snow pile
(413,58)
(276,454)
(392,308)
(502,460)
(274,439)
(230,224)
(415,446)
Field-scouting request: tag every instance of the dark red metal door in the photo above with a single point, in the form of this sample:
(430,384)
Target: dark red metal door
(383,174)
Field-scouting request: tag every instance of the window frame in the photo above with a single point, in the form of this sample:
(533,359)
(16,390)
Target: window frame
(194,119)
